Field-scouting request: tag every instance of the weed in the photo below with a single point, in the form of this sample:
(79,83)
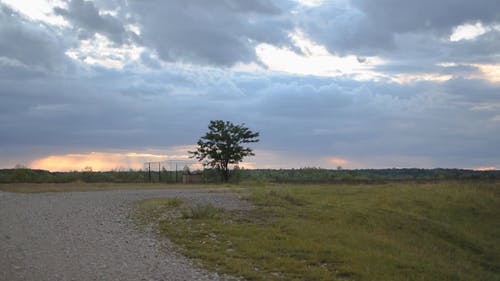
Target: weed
(199,212)
(150,210)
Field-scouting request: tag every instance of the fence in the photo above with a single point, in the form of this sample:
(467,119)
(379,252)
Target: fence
(171,171)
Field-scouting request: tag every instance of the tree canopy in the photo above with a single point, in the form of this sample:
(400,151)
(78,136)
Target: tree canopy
(223,145)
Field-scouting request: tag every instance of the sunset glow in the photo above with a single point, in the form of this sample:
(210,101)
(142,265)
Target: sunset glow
(338,161)
(107,161)
(490,168)
(98,161)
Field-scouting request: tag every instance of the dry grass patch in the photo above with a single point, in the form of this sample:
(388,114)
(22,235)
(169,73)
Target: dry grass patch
(81,186)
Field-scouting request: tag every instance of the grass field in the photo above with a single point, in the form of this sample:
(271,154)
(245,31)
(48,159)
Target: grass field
(443,231)
(82,186)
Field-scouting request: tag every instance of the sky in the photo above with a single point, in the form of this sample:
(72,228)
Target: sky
(327,83)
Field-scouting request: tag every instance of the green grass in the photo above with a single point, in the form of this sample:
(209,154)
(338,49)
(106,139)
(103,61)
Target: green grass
(150,210)
(200,212)
(443,231)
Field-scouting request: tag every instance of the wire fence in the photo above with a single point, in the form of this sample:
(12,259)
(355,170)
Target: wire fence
(173,171)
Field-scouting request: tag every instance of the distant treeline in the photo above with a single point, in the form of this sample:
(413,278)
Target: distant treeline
(43,176)
(303,175)
(318,175)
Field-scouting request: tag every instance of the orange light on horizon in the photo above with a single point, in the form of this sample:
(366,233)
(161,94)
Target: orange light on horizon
(490,168)
(246,165)
(338,161)
(95,160)
(102,161)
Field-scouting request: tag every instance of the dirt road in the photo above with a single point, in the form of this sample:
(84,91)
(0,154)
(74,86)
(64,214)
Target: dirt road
(88,236)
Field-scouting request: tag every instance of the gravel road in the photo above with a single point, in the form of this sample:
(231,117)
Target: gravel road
(88,236)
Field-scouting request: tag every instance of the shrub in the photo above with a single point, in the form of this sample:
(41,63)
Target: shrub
(201,212)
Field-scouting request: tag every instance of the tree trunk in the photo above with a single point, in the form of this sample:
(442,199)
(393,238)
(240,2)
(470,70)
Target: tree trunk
(225,173)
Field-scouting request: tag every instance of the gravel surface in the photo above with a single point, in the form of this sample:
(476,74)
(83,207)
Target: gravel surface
(88,236)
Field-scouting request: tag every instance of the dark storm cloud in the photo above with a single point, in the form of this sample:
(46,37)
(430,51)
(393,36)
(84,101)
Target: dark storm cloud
(86,18)
(210,32)
(28,48)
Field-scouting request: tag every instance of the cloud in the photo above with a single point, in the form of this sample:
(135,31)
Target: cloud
(298,100)
(467,32)
(88,20)
(440,16)
(415,34)
(302,118)
(29,46)
(434,102)
(216,33)
(314,59)
(491,72)
(100,51)
(39,10)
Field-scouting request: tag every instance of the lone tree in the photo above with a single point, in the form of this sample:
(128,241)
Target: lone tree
(223,145)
